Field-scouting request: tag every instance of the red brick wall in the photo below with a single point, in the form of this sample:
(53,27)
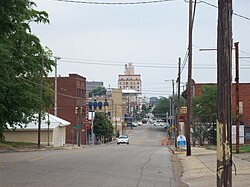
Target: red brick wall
(244,93)
(71,93)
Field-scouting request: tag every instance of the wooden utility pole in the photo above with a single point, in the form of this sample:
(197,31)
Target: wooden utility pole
(189,89)
(224,85)
(237,121)
(40,107)
(178,102)
(173,114)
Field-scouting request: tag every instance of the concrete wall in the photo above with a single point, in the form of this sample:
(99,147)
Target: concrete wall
(28,136)
(59,136)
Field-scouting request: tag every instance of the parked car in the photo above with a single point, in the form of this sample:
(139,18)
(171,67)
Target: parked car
(123,139)
(134,124)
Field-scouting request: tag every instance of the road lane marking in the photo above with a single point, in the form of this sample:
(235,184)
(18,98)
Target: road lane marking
(37,158)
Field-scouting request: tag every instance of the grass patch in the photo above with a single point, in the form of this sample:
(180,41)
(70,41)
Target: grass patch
(10,145)
(243,148)
(210,147)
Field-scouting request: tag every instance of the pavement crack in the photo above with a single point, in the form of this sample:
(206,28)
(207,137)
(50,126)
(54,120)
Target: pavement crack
(142,168)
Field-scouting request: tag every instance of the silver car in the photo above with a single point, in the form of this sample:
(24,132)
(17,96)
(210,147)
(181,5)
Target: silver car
(123,139)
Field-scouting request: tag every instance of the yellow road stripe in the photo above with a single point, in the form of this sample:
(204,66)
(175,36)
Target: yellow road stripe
(37,158)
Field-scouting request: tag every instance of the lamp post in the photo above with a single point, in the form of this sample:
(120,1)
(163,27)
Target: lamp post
(55,108)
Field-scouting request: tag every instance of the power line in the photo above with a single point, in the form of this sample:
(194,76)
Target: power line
(112,61)
(201,66)
(234,13)
(114,64)
(114,3)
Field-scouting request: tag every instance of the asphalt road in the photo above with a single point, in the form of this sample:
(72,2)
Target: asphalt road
(144,162)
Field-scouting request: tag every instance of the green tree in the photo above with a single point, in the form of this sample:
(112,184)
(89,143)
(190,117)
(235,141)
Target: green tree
(98,91)
(162,107)
(204,115)
(20,67)
(103,128)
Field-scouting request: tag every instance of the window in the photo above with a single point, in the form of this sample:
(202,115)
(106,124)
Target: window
(241,107)
(79,92)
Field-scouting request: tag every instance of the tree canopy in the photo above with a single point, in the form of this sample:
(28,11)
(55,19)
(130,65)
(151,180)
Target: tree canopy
(21,54)
(102,127)
(204,115)
(98,91)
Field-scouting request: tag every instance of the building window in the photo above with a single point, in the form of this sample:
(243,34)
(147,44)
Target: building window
(79,92)
(241,107)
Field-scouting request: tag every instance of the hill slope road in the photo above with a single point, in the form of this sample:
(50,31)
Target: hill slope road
(142,163)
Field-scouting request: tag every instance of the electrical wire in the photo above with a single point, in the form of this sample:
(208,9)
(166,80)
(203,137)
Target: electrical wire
(114,3)
(113,64)
(112,61)
(200,66)
(184,61)
(234,13)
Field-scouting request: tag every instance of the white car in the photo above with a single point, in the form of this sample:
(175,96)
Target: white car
(123,139)
(134,124)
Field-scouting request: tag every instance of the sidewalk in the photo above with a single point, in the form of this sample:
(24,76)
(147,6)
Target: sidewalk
(199,169)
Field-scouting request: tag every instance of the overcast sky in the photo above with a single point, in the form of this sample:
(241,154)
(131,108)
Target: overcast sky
(96,41)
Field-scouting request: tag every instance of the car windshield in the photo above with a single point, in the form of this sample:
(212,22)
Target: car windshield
(123,137)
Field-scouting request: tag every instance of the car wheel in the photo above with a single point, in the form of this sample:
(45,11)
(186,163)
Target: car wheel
(127,143)
(118,143)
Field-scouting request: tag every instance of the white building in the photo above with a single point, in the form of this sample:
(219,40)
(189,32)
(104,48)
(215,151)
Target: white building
(55,133)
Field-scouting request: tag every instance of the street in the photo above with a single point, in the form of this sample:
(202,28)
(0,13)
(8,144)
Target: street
(144,162)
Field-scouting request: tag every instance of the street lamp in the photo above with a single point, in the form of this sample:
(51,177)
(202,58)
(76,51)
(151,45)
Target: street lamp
(55,108)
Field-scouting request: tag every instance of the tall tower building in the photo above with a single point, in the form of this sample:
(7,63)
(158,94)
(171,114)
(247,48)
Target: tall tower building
(130,80)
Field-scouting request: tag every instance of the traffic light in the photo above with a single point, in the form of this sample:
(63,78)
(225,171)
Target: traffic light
(81,109)
(76,109)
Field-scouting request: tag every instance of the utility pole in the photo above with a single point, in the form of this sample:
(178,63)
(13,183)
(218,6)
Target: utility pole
(48,128)
(224,85)
(173,113)
(55,108)
(189,89)
(178,103)
(40,107)
(236,45)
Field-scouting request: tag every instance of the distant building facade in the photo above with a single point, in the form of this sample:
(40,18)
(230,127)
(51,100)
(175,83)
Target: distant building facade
(129,80)
(71,103)
(91,85)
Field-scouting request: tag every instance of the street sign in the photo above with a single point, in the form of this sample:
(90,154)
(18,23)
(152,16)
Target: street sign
(76,127)
(181,140)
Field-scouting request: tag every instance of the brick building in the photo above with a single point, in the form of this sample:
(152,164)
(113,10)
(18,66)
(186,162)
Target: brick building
(244,104)
(71,94)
